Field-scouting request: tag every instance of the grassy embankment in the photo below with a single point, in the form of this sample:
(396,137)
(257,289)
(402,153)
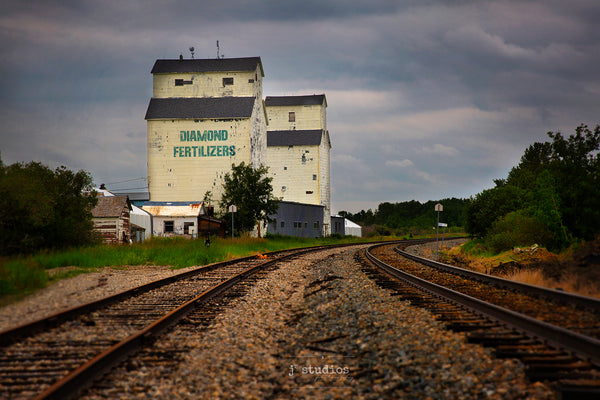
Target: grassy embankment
(531,265)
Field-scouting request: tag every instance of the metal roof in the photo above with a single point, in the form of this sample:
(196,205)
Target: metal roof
(294,138)
(207,65)
(174,208)
(309,100)
(200,108)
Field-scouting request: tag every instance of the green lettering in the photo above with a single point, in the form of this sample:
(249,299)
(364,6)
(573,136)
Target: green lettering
(187,151)
(219,151)
(203,136)
(225,150)
(182,136)
(232,150)
(202,148)
(211,150)
(224,134)
(193,136)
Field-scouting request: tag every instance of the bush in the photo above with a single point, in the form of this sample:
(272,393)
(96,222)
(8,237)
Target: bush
(517,229)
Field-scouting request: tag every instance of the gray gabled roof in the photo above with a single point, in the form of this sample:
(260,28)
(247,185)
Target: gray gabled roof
(207,65)
(310,100)
(200,108)
(294,138)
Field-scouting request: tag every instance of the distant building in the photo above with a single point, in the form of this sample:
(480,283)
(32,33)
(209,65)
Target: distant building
(111,218)
(204,116)
(297,219)
(207,114)
(175,218)
(298,148)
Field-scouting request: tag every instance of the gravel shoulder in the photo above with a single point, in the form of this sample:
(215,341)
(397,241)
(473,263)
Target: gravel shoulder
(319,328)
(81,289)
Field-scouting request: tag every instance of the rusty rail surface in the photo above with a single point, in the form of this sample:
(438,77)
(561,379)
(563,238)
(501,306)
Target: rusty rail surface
(586,347)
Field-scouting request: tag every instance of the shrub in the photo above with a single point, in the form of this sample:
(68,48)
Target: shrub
(517,229)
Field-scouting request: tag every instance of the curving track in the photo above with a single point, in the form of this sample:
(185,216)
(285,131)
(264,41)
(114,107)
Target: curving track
(58,356)
(555,334)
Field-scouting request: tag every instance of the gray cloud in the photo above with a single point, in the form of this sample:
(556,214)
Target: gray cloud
(426,99)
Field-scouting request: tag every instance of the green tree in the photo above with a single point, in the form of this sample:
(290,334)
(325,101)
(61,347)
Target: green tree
(490,205)
(575,165)
(251,191)
(41,208)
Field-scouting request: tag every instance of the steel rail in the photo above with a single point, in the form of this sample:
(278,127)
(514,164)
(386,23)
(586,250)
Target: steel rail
(565,297)
(20,332)
(69,386)
(584,346)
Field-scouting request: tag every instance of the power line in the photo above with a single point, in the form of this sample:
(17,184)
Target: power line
(124,189)
(127,180)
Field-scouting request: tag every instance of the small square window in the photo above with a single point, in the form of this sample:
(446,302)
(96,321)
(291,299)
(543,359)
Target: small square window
(292,116)
(169,226)
(282,224)
(227,81)
(314,177)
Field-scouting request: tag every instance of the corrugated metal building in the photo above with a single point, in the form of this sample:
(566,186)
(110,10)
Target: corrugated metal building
(298,148)
(297,219)
(111,218)
(204,116)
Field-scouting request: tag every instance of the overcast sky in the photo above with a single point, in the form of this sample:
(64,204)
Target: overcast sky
(426,99)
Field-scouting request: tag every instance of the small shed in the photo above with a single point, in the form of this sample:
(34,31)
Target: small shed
(111,218)
(175,218)
(352,229)
(209,226)
(141,221)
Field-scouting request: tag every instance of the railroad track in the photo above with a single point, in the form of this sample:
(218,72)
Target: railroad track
(57,357)
(556,335)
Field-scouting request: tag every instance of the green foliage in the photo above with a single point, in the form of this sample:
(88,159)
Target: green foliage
(41,208)
(517,229)
(251,191)
(490,205)
(21,275)
(556,184)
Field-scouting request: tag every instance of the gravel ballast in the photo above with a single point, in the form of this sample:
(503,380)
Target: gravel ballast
(319,328)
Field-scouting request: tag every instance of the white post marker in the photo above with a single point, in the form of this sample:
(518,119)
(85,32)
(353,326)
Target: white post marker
(443,225)
(438,208)
(232,209)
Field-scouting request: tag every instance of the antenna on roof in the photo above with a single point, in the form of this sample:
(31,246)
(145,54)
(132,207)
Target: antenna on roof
(192,51)
(219,56)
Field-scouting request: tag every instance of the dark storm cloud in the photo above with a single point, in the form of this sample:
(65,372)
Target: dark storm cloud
(427,99)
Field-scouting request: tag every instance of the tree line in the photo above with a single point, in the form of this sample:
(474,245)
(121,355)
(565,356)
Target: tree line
(552,198)
(410,215)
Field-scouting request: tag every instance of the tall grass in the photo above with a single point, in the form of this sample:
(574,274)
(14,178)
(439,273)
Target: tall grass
(20,275)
